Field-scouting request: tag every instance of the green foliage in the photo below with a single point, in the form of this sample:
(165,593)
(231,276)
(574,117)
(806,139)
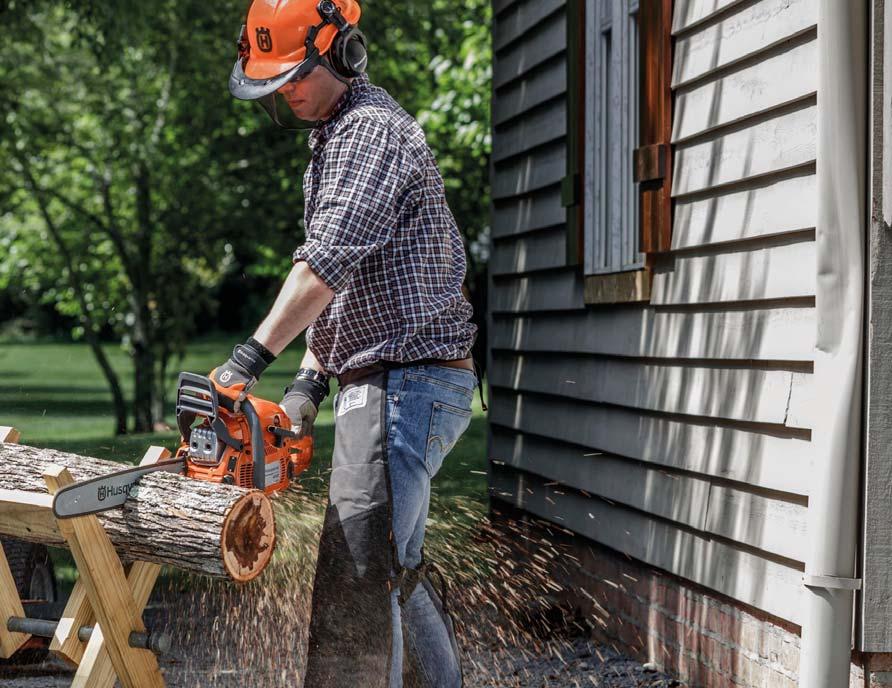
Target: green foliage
(436,60)
(139,199)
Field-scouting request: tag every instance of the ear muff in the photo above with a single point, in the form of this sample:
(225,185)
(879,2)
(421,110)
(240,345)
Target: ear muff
(348,54)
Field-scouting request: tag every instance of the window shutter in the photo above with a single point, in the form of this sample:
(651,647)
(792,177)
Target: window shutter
(571,189)
(653,159)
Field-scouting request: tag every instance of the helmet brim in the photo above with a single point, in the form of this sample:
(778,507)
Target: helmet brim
(244,87)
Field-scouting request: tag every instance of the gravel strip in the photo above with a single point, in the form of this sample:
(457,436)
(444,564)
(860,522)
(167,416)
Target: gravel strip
(574,664)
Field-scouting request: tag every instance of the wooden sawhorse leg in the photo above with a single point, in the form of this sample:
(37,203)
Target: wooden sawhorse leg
(10,603)
(104,593)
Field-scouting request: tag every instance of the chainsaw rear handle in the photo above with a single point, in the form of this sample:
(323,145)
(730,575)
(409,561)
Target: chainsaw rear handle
(197,396)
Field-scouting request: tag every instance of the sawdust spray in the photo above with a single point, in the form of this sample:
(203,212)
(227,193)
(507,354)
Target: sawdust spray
(502,582)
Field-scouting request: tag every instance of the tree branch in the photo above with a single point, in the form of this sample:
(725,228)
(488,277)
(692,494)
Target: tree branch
(77,286)
(161,117)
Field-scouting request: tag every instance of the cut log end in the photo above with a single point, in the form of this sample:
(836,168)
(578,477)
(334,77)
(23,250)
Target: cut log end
(248,537)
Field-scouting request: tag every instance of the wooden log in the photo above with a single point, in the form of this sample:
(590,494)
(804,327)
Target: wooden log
(197,526)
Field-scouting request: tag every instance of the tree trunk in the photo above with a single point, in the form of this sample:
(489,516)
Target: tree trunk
(111,377)
(143,385)
(160,399)
(145,334)
(197,526)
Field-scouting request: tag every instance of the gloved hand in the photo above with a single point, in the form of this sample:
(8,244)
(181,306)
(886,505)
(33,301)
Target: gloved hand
(241,372)
(302,399)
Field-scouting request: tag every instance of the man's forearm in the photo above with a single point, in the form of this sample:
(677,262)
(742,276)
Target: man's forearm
(300,301)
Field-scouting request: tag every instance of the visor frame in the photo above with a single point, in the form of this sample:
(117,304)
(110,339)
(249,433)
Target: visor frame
(243,87)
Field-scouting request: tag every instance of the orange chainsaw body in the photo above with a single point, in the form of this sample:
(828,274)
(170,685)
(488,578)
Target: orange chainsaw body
(208,456)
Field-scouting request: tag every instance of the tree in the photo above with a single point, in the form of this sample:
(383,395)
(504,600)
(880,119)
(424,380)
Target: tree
(134,189)
(134,182)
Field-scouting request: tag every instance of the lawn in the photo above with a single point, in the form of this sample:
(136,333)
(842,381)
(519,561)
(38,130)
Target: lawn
(55,394)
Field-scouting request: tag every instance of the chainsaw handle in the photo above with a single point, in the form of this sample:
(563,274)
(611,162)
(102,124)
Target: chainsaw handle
(197,396)
(257,447)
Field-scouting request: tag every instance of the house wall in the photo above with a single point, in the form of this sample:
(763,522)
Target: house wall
(677,433)
(686,421)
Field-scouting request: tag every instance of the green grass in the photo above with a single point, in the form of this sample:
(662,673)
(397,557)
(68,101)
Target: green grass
(56,396)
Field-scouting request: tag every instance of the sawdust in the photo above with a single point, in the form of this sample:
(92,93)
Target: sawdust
(504,590)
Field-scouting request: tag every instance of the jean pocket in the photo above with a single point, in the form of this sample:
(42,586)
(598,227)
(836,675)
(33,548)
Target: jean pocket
(448,423)
(436,380)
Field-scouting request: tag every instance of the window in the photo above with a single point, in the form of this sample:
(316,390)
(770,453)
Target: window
(610,195)
(619,160)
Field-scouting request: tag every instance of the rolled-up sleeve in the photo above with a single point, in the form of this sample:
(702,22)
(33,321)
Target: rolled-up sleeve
(365,178)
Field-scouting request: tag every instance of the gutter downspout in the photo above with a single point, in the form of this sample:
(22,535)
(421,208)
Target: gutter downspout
(841,230)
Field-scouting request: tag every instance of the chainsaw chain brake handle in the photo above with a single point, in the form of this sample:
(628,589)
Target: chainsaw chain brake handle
(197,395)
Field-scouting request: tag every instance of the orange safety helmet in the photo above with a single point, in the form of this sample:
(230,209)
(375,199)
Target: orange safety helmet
(284,40)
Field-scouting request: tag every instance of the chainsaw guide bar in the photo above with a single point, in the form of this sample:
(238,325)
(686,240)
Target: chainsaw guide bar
(108,491)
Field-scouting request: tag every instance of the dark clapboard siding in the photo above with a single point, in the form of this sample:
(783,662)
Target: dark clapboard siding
(676,432)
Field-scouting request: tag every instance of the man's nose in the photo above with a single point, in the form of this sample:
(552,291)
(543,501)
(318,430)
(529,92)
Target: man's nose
(288,89)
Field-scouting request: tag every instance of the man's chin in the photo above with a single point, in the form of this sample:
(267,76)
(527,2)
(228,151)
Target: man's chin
(300,112)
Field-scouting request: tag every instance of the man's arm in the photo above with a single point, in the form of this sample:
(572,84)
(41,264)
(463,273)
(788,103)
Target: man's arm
(300,301)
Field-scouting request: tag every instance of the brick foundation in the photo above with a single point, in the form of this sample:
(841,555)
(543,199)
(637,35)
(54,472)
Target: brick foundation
(694,634)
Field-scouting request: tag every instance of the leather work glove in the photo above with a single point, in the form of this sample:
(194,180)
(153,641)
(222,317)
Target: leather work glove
(302,399)
(241,372)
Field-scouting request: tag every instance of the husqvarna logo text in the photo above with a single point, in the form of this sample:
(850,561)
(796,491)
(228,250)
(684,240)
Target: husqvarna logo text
(264,39)
(106,491)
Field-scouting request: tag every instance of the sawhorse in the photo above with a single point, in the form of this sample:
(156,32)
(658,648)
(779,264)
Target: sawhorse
(104,596)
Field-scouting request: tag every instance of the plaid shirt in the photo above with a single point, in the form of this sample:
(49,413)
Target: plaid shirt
(379,233)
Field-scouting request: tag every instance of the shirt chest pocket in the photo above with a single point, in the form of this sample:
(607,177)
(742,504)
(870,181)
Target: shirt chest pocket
(448,423)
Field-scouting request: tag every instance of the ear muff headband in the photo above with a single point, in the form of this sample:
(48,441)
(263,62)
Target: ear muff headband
(348,53)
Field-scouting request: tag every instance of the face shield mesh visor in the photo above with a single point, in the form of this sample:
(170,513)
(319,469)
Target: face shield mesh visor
(265,91)
(281,113)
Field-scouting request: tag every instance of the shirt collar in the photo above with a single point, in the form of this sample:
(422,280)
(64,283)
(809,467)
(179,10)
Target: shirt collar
(357,88)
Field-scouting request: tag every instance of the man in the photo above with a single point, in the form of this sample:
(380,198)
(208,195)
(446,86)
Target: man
(378,283)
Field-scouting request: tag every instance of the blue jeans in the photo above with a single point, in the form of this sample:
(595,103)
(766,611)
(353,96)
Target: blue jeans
(428,410)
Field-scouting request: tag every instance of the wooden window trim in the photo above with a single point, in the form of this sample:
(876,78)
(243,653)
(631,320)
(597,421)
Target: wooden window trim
(631,286)
(652,163)
(653,158)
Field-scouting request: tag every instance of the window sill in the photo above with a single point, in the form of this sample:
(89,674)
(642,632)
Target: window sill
(618,287)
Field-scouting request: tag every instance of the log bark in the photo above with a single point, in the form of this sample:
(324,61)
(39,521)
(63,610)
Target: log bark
(197,526)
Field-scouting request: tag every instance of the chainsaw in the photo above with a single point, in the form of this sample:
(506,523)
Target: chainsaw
(243,442)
